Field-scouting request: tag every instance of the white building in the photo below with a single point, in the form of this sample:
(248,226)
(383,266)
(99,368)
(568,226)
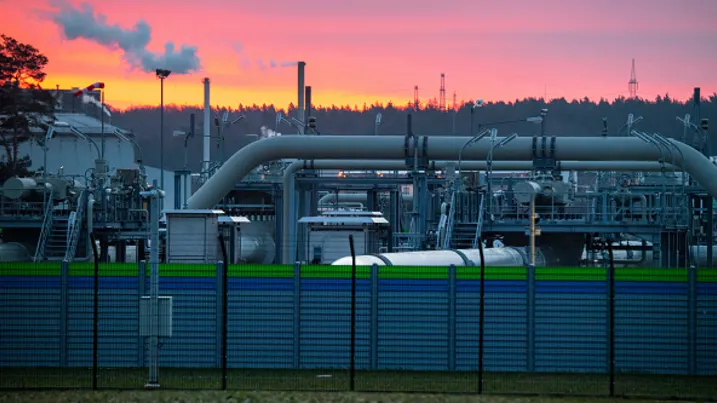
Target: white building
(70,155)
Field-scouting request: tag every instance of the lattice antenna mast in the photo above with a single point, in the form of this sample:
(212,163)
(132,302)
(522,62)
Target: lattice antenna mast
(632,84)
(442,97)
(455,102)
(416,103)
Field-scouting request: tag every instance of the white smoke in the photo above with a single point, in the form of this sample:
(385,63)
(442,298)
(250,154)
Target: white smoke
(246,61)
(86,99)
(82,22)
(266,132)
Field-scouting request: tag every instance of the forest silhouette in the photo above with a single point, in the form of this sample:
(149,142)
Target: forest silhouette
(565,118)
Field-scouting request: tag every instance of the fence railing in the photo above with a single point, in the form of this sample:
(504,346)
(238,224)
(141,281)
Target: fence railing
(575,331)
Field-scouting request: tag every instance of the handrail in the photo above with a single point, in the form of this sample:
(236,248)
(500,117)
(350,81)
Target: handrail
(76,229)
(44,232)
(479,226)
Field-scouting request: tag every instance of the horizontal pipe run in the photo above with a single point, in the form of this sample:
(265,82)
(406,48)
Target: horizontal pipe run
(288,229)
(442,148)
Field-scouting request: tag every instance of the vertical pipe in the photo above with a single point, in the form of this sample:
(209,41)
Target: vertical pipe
(95,312)
(352,358)
(709,201)
(532,229)
(206,130)
(481,317)
(300,109)
(611,320)
(218,304)
(161,134)
(308,109)
(102,122)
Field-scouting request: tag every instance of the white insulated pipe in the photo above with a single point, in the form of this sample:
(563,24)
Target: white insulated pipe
(440,148)
(206,139)
(288,229)
(494,257)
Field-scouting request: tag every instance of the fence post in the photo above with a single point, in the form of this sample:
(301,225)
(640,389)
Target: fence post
(611,320)
(452,318)
(297,315)
(64,308)
(692,319)
(141,291)
(530,318)
(374,316)
(220,312)
(481,317)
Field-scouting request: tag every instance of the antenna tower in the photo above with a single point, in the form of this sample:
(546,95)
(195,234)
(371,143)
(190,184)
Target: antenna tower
(632,84)
(455,103)
(415,98)
(442,98)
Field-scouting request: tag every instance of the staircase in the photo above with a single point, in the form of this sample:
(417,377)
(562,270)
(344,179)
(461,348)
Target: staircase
(463,235)
(63,241)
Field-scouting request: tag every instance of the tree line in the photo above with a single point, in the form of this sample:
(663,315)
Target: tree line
(564,118)
(24,104)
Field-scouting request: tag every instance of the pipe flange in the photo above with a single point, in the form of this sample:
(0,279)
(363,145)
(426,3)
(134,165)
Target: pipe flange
(384,259)
(463,256)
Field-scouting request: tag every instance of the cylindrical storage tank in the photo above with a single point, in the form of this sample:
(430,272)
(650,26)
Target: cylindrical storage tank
(19,188)
(524,191)
(13,252)
(497,257)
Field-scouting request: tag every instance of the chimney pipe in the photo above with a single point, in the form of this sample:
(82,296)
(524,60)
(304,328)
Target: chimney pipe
(300,109)
(206,144)
(308,108)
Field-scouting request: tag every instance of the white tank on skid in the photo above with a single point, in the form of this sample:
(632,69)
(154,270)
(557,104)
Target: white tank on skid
(494,257)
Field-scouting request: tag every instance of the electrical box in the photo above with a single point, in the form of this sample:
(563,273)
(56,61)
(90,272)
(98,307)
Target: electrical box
(165,316)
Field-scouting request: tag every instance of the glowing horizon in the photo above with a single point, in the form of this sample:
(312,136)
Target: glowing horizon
(379,51)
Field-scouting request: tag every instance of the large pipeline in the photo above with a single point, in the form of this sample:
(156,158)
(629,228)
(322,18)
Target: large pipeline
(353,197)
(442,148)
(495,257)
(288,230)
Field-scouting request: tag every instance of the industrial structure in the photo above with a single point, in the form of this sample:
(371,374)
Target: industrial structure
(408,198)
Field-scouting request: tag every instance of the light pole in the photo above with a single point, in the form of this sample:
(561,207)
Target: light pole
(489,160)
(220,129)
(161,74)
(477,104)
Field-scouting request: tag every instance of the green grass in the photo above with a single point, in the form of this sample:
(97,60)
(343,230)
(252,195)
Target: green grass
(658,386)
(207,396)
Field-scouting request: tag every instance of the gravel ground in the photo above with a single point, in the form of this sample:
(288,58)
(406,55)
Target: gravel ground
(294,397)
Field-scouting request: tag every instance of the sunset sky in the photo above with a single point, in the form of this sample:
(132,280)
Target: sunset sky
(373,50)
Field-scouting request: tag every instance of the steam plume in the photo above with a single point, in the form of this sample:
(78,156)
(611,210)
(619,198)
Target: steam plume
(86,99)
(83,22)
(266,132)
(246,61)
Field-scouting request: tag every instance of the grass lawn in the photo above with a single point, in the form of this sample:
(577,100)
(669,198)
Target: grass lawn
(280,397)
(324,381)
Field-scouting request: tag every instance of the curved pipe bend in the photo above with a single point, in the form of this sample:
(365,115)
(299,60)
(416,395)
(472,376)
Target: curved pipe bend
(439,148)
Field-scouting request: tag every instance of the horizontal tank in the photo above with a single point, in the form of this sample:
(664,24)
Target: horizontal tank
(14,252)
(494,257)
(19,188)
